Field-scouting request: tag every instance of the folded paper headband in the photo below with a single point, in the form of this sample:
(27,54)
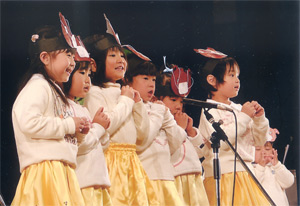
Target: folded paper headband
(74,41)
(214,56)
(181,80)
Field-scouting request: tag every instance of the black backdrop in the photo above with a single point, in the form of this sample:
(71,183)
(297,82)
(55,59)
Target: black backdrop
(263,36)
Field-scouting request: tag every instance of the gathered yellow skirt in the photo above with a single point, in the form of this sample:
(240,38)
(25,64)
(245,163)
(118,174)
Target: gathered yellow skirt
(96,196)
(166,192)
(130,184)
(48,183)
(191,189)
(246,191)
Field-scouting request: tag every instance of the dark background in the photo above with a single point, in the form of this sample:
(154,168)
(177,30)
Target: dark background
(263,36)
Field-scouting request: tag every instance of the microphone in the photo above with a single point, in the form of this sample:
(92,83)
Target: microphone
(205,104)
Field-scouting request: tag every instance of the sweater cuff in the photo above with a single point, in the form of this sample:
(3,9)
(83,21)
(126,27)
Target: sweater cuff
(277,166)
(70,125)
(259,119)
(99,130)
(126,99)
(243,117)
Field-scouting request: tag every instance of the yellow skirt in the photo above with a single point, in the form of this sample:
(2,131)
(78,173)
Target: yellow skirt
(191,189)
(96,196)
(166,192)
(246,191)
(130,184)
(48,183)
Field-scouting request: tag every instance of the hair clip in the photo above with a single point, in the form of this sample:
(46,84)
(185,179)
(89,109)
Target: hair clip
(211,53)
(34,37)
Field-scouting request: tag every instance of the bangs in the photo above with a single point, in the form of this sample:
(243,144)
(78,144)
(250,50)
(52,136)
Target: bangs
(232,66)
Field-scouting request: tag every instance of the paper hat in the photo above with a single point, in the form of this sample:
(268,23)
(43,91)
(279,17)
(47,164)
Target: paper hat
(214,55)
(48,39)
(134,58)
(74,41)
(180,83)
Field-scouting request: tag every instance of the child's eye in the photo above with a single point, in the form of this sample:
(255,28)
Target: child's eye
(82,72)
(146,78)
(154,80)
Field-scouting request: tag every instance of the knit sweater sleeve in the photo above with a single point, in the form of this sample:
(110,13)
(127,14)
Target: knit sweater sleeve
(117,115)
(228,126)
(283,176)
(141,120)
(92,139)
(33,110)
(175,134)
(155,115)
(260,128)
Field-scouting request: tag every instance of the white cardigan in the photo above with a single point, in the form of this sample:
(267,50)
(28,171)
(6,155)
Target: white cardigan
(91,167)
(165,137)
(251,132)
(129,121)
(275,179)
(41,121)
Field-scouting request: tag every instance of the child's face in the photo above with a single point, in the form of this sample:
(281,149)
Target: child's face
(231,85)
(175,104)
(268,151)
(60,66)
(259,150)
(81,83)
(115,65)
(145,85)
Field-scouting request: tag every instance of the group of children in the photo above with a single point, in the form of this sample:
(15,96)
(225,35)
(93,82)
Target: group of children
(130,143)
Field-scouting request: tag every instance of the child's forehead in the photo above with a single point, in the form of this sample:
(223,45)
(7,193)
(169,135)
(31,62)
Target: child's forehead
(232,69)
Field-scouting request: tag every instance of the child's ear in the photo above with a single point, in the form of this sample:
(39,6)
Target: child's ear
(45,57)
(211,79)
(94,65)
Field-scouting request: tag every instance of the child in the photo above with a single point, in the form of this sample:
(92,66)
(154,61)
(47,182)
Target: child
(44,127)
(273,175)
(128,127)
(188,169)
(220,78)
(91,168)
(162,139)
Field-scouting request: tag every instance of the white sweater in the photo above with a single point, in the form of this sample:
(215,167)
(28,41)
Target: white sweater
(129,121)
(91,167)
(275,179)
(41,121)
(165,137)
(251,132)
(186,160)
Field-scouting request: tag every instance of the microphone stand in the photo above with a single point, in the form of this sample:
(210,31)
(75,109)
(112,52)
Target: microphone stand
(218,135)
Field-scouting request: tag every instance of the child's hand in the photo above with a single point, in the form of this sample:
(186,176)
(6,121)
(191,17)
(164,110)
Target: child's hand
(137,96)
(273,132)
(249,109)
(127,91)
(189,128)
(181,119)
(274,157)
(101,118)
(259,110)
(261,159)
(80,124)
(86,127)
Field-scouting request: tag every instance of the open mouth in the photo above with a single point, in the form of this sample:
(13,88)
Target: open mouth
(150,93)
(69,71)
(120,68)
(86,89)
